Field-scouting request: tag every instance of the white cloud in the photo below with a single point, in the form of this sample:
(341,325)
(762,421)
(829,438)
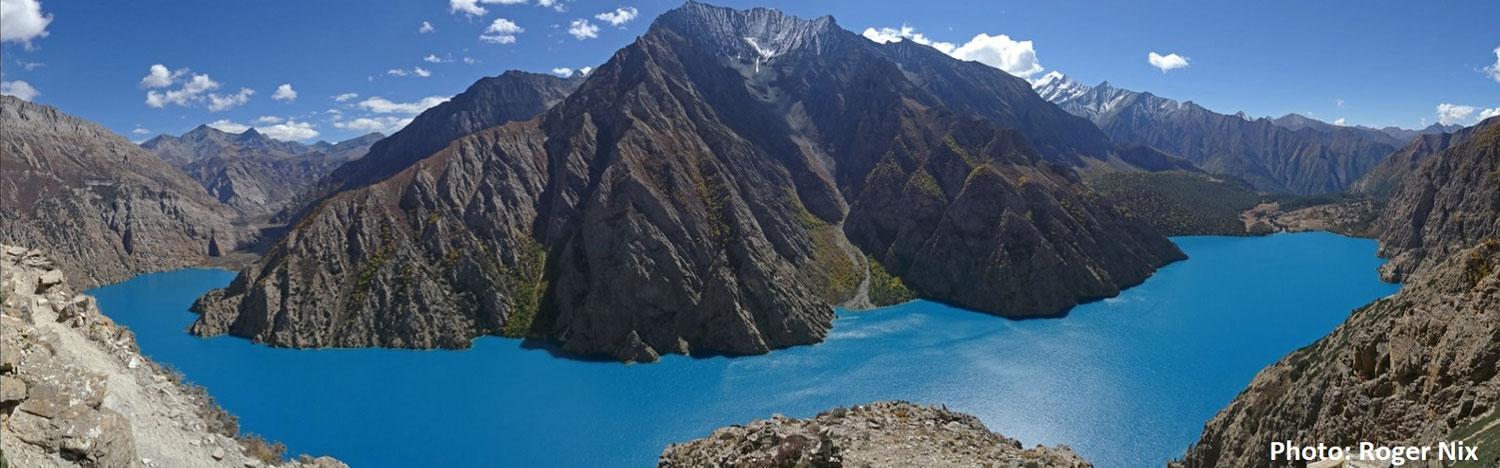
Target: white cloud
(284,93)
(141,131)
(218,103)
(268,120)
(426,28)
(1494,70)
(472,8)
(433,58)
(22,20)
(1490,112)
(291,130)
(886,35)
(470,60)
(468,7)
(161,77)
(1339,102)
(1015,57)
(19,89)
(1339,122)
(585,70)
(345,97)
(999,51)
(555,5)
(582,29)
(421,72)
(193,90)
(1449,114)
(563,71)
(227,126)
(382,105)
(618,17)
(502,31)
(397,72)
(1167,62)
(382,124)
(29,66)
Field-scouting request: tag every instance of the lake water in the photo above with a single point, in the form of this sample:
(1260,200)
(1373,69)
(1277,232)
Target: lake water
(1127,381)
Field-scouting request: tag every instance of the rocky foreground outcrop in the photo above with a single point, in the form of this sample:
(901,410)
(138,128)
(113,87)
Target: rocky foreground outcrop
(75,390)
(714,188)
(877,435)
(104,208)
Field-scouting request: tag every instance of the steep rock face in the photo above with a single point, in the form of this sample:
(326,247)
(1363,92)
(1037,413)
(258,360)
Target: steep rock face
(93,199)
(1412,369)
(75,390)
(713,188)
(1451,200)
(1316,158)
(253,173)
(892,433)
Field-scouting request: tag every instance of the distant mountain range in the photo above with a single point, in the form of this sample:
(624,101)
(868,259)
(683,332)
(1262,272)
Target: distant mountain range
(1291,154)
(715,187)
(255,174)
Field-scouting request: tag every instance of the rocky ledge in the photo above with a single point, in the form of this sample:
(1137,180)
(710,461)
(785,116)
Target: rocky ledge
(75,390)
(893,433)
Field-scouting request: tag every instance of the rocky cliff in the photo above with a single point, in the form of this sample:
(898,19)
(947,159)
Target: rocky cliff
(876,435)
(1298,155)
(75,390)
(93,199)
(1386,177)
(1447,203)
(713,188)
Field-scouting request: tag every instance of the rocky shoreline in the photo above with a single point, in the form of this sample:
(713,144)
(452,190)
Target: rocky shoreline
(890,433)
(76,391)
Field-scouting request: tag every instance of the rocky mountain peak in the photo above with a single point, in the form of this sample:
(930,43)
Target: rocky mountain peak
(1057,87)
(757,35)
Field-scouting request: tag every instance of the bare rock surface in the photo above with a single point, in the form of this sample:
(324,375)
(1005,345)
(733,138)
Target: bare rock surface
(1450,201)
(75,390)
(882,434)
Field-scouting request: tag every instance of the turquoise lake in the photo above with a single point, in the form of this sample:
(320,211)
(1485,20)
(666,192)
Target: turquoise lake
(1127,381)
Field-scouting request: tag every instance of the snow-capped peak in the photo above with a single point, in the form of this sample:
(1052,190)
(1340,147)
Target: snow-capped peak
(1057,87)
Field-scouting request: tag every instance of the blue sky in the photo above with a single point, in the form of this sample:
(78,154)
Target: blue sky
(1371,63)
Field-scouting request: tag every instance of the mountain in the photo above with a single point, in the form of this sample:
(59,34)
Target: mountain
(1386,177)
(100,205)
(1450,201)
(1316,158)
(254,173)
(514,95)
(714,188)
(1415,368)
(348,150)
(1434,129)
